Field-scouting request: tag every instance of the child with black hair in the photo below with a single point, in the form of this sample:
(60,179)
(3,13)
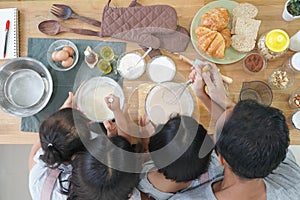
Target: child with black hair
(95,180)
(110,170)
(51,155)
(58,141)
(180,151)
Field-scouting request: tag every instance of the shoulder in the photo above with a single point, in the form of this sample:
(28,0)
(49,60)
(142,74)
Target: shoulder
(135,195)
(37,177)
(284,181)
(203,192)
(146,187)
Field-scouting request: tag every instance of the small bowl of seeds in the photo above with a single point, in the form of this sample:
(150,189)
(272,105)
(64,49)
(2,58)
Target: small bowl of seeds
(294,100)
(282,78)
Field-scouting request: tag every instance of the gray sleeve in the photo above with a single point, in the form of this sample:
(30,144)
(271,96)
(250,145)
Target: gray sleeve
(284,181)
(214,169)
(214,162)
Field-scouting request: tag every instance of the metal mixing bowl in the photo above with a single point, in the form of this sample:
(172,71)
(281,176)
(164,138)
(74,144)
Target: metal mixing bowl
(19,64)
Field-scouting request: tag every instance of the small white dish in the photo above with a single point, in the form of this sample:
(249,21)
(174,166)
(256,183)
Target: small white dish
(161,69)
(24,88)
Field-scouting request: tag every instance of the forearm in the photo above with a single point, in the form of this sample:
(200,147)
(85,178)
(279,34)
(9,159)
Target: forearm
(226,104)
(213,107)
(123,125)
(35,147)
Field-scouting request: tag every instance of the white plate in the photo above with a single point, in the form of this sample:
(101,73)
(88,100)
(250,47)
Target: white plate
(160,103)
(24,88)
(91,94)
(161,69)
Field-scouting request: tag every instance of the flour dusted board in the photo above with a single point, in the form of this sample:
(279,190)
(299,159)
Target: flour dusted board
(12,50)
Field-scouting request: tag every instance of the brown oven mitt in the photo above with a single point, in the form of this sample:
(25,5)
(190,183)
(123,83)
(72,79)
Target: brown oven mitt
(137,23)
(176,41)
(151,26)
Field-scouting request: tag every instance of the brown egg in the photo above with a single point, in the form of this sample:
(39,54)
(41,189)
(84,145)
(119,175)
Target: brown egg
(61,55)
(69,49)
(54,56)
(68,62)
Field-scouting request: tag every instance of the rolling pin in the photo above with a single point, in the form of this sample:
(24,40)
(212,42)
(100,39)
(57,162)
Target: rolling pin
(226,79)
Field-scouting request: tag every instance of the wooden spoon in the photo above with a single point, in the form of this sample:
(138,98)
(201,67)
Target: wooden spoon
(53,27)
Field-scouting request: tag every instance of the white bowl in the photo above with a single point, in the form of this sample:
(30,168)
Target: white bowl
(91,94)
(56,46)
(162,102)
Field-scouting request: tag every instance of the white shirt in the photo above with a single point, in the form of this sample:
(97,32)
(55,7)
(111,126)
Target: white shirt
(38,174)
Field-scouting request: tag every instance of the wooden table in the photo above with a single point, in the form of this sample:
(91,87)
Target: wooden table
(33,12)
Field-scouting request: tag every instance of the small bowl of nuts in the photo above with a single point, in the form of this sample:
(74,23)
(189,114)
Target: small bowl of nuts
(294,100)
(282,78)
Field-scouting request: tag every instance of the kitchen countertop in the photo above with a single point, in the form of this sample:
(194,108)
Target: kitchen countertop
(31,13)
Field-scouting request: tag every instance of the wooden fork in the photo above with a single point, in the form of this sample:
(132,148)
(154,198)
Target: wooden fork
(65,12)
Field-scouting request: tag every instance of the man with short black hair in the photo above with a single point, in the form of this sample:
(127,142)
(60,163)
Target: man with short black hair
(253,148)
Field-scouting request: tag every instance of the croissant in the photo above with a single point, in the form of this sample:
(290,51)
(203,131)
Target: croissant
(217,47)
(200,30)
(227,36)
(206,39)
(210,42)
(216,19)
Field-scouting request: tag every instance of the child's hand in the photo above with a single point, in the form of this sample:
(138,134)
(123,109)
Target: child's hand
(69,102)
(147,129)
(113,102)
(111,127)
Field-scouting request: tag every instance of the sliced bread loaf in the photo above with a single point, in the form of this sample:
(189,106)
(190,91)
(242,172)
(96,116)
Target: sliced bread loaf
(245,10)
(247,26)
(243,43)
(244,27)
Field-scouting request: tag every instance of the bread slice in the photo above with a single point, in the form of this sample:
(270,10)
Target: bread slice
(247,26)
(245,10)
(243,43)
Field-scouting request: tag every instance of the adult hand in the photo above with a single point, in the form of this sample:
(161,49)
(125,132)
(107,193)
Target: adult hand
(215,86)
(198,85)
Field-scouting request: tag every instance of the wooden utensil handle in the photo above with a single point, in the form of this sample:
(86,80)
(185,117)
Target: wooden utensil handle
(84,32)
(185,59)
(226,79)
(87,20)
